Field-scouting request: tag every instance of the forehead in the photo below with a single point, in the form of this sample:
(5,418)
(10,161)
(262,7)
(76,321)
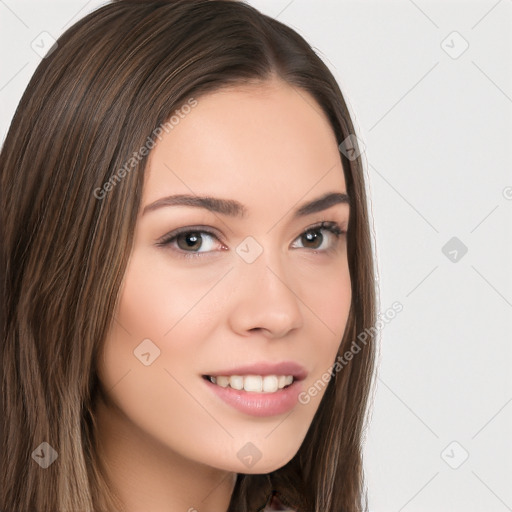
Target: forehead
(270,139)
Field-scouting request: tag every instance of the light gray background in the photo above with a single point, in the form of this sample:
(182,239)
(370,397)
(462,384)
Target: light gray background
(437,130)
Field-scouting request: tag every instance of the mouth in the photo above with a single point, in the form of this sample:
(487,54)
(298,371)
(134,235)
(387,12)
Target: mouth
(260,377)
(259,389)
(253,383)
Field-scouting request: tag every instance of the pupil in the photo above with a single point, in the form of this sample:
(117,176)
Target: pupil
(193,238)
(312,237)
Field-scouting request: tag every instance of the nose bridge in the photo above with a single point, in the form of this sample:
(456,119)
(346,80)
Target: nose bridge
(266,298)
(263,261)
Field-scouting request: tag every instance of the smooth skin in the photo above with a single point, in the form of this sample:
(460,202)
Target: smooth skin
(170,442)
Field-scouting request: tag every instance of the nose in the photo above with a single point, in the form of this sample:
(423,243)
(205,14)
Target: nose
(264,299)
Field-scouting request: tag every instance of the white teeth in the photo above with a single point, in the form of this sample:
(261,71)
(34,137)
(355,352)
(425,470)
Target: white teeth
(236,381)
(270,384)
(222,381)
(254,383)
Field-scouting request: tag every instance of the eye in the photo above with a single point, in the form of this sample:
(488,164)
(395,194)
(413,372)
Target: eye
(312,237)
(188,242)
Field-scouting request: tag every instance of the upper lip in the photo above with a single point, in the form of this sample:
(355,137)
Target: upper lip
(265,368)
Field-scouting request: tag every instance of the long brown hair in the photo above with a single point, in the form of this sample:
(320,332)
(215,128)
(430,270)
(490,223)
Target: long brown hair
(114,77)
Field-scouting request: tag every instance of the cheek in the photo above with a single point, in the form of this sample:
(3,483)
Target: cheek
(148,365)
(157,298)
(328,297)
(157,332)
(337,302)
(329,302)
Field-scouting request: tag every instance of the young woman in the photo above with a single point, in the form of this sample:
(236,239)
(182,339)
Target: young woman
(187,266)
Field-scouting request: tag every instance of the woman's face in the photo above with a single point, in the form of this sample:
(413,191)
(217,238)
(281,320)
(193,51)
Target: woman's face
(233,290)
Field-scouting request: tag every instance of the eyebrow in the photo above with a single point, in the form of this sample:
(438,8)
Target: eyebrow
(233,208)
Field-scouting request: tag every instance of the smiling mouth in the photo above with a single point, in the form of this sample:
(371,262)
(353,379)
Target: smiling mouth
(252,383)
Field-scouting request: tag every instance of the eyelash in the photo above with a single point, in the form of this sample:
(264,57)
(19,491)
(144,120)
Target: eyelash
(168,239)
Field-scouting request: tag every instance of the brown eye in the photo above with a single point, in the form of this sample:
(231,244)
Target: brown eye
(189,241)
(314,238)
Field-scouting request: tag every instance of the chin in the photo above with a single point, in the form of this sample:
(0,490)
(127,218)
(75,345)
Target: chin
(266,466)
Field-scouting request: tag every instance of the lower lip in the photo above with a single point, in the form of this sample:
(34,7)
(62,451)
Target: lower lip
(259,404)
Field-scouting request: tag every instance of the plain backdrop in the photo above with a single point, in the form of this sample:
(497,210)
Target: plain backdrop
(430,88)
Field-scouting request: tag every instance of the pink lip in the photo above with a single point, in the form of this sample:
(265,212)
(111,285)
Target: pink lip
(261,404)
(264,368)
